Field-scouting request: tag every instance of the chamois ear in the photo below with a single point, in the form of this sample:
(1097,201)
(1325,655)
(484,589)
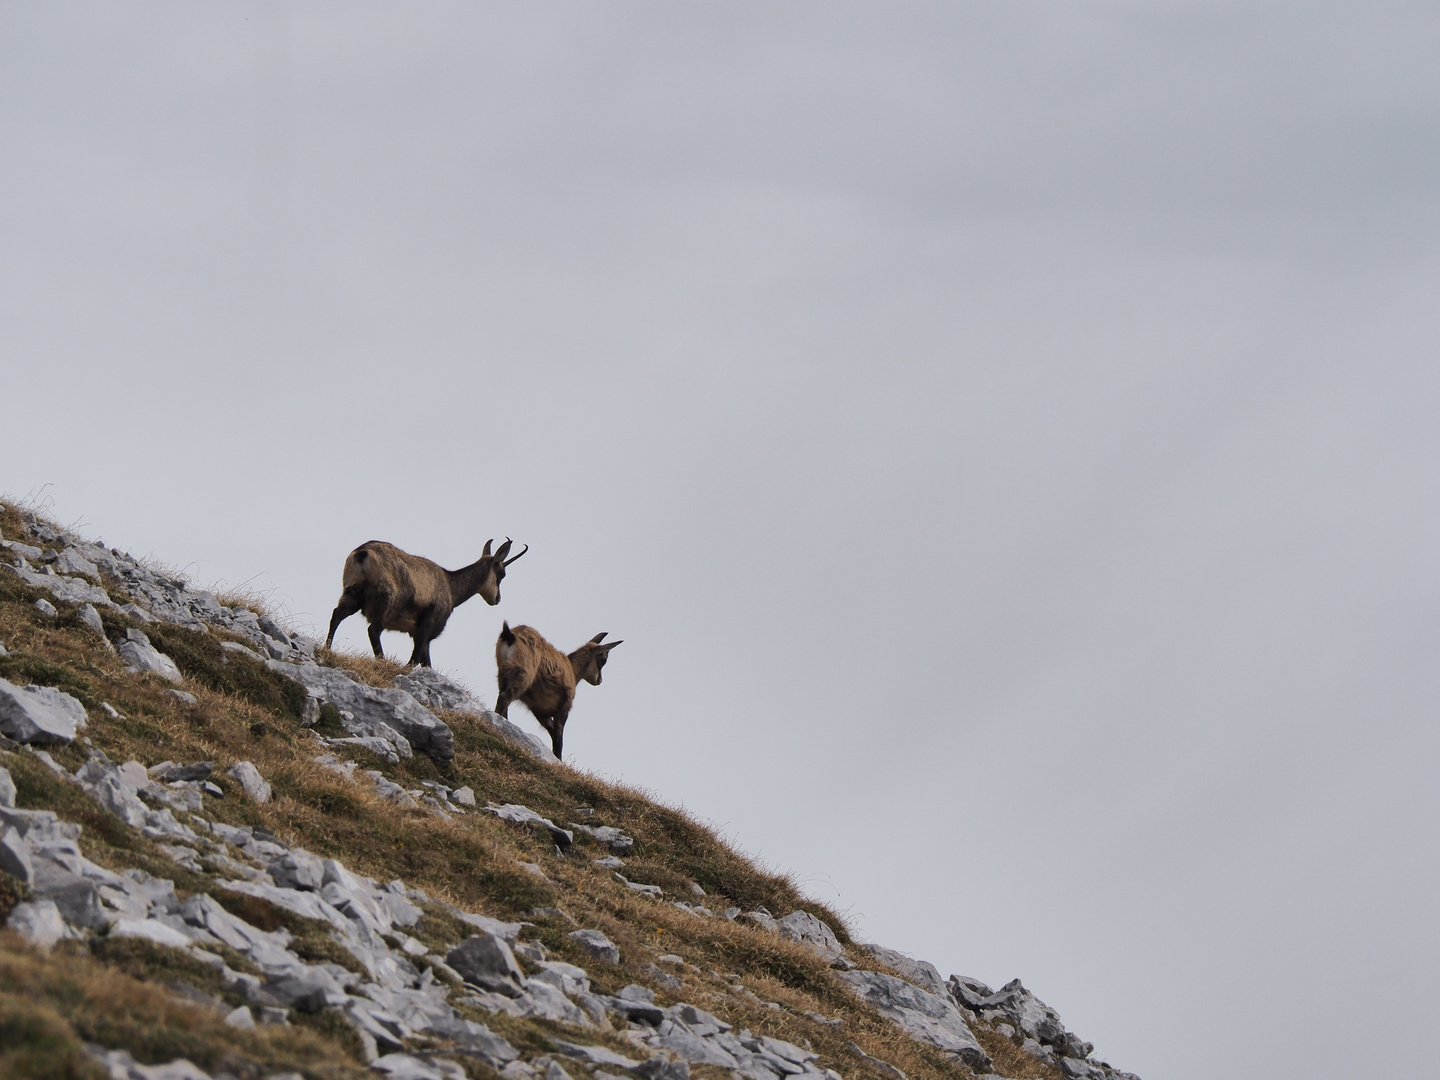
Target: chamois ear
(502,551)
(506,634)
(486,553)
(599,637)
(612,644)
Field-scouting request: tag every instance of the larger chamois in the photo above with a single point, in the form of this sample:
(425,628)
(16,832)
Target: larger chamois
(533,672)
(400,591)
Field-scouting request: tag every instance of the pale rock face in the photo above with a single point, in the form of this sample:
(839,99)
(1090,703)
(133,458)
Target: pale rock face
(15,856)
(927,1017)
(486,961)
(140,656)
(39,714)
(150,930)
(38,922)
(809,931)
(918,972)
(373,712)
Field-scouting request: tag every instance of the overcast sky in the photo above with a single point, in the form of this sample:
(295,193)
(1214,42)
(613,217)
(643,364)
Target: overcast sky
(1004,435)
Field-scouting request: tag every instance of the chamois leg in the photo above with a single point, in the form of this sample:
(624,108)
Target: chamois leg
(349,604)
(427,629)
(511,689)
(375,629)
(556,727)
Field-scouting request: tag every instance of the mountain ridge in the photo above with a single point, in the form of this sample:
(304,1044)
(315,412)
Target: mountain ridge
(265,788)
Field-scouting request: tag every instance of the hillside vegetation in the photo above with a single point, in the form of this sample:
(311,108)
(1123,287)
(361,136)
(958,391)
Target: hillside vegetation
(160,1002)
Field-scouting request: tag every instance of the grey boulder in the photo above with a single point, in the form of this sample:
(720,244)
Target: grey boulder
(298,869)
(486,961)
(802,927)
(15,855)
(7,788)
(596,944)
(922,974)
(39,714)
(1027,1012)
(140,656)
(373,709)
(927,1017)
(309,990)
(38,922)
(251,782)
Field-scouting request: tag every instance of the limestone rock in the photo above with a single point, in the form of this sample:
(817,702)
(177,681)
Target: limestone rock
(15,855)
(918,972)
(251,782)
(486,961)
(140,656)
(611,837)
(7,788)
(436,691)
(523,815)
(924,1016)
(38,922)
(298,870)
(1027,1012)
(596,944)
(809,931)
(39,714)
(151,930)
(372,708)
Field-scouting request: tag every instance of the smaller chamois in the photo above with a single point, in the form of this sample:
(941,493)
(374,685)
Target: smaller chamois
(400,591)
(532,671)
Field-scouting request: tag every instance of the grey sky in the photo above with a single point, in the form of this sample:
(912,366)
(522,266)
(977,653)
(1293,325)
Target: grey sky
(1004,435)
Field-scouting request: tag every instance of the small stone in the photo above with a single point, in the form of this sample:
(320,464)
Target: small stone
(7,788)
(110,710)
(241,1019)
(610,862)
(596,944)
(464,796)
(250,780)
(46,608)
(182,696)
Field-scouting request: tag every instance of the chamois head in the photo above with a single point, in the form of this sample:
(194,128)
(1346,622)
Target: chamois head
(589,659)
(492,570)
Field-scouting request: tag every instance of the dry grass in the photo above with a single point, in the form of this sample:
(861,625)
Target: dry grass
(49,1004)
(472,861)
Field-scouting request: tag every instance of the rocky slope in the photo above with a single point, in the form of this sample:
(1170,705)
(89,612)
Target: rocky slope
(226,853)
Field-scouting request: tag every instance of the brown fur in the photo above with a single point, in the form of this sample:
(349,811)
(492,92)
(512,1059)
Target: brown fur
(404,592)
(533,672)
